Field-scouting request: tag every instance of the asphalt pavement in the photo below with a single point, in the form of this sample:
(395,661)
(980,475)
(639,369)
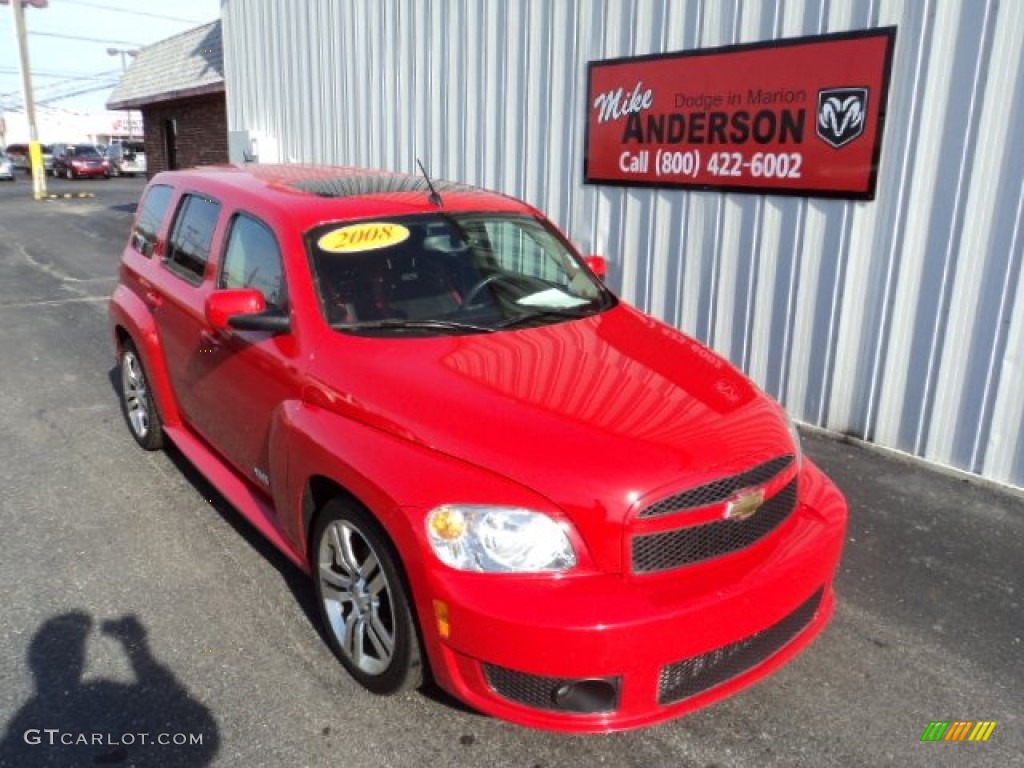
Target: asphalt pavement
(136,601)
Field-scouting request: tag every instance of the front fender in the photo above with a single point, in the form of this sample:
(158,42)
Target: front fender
(129,313)
(386,473)
(399,481)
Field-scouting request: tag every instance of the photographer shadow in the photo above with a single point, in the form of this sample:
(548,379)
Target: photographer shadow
(70,722)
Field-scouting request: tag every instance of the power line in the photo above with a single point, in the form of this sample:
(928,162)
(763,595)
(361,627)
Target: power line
(85,39)
(134,13)
(108,78)
(62,96)
(60,75)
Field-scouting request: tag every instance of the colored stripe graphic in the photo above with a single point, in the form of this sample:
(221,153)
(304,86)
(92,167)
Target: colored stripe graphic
(958,730)
(982,730)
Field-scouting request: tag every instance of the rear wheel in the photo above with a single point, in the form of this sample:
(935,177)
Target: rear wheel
(137,400)
(363,599)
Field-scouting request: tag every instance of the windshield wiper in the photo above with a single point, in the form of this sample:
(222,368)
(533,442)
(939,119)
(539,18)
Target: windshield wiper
(400,325)
(572,314)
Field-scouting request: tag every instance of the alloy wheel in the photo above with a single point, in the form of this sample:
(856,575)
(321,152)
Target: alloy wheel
(136,394)
(357,598)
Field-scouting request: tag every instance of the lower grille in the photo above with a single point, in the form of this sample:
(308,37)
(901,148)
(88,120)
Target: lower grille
(684,546)
(701,673)
(558,694)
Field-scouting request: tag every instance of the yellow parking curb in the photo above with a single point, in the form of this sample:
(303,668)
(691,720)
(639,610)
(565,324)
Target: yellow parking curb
(67,195)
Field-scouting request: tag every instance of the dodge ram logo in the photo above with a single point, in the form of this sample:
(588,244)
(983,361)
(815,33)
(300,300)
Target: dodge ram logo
(841,115)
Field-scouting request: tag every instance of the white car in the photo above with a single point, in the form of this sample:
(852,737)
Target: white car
(127,158)
(6,168)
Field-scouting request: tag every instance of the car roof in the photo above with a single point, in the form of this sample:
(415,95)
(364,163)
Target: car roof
(312,194)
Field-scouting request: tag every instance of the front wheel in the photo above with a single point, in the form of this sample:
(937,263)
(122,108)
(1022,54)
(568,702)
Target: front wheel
(137,400)
(363,600)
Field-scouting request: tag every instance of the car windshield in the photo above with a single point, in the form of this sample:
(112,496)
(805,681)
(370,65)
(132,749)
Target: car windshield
(84,150)
(449,273)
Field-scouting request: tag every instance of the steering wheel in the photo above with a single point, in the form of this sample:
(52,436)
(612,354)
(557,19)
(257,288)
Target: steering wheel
(494,277)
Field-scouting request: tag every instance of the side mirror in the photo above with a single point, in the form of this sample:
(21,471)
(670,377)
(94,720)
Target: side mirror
(598,265)
(244,309)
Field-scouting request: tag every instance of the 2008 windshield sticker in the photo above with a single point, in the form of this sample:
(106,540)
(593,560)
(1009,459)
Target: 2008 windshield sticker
(368,236)
(800,116)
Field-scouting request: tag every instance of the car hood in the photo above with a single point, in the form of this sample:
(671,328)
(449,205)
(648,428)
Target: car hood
(600,411)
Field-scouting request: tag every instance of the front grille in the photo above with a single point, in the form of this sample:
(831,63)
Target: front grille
(701,673)
(718,490)
(538,691)
(684,546)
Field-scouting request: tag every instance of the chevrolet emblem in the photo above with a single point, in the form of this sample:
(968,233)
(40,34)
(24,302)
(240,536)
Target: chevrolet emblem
(744,505)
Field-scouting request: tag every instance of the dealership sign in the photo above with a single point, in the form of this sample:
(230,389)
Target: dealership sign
(801,116)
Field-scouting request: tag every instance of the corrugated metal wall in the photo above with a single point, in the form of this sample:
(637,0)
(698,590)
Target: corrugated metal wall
(899,320)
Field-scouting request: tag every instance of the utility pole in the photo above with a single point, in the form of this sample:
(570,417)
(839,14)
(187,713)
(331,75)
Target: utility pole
(124,68)
(34,152)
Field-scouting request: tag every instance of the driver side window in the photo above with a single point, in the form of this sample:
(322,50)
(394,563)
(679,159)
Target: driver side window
(252,259)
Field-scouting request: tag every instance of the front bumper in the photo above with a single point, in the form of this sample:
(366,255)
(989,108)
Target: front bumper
(92,171)
(656,646)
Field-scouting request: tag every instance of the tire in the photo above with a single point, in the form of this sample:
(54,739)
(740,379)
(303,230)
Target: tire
(137,402)
(363,600)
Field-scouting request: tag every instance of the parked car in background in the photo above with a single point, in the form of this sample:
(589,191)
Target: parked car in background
(6,167)
(79,160)
(47,152)
(127,158)
(574,515)
(19,155)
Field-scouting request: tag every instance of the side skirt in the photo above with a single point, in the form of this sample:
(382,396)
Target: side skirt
(242,497)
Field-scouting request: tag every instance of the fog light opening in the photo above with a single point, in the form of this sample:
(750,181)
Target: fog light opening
(587,696)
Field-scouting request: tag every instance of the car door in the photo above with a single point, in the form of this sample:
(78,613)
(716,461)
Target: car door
(240,378)
(178,297)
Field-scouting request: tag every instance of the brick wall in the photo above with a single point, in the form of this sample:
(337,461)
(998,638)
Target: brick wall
(202,132)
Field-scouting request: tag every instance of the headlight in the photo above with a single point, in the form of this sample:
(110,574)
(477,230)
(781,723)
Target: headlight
(479,537)
(798,450)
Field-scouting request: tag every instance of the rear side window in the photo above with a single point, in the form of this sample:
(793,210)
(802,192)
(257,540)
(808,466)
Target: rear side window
(147,223)
(253,260)
(188,248)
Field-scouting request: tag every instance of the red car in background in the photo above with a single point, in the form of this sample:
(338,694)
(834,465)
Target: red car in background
(572,515)
(77,161)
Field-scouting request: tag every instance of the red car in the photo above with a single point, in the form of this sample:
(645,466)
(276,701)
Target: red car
(77,161)
(570,514)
